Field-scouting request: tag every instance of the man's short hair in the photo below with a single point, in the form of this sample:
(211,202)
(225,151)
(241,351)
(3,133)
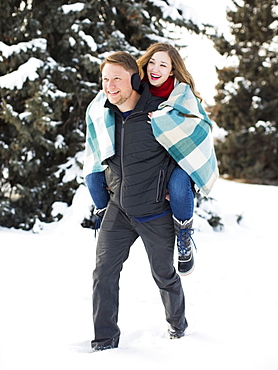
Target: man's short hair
(122,58)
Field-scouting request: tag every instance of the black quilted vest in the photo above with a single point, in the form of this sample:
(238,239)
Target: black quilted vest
(138,173)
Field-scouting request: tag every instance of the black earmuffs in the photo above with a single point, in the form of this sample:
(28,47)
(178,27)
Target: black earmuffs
(135,81)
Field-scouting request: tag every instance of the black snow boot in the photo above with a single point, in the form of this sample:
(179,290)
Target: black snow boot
(175,334)
(183,232)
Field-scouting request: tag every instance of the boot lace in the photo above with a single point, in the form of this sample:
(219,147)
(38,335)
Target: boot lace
(184,238)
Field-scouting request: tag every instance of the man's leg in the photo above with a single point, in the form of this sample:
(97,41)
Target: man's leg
(114,241)
(158,237)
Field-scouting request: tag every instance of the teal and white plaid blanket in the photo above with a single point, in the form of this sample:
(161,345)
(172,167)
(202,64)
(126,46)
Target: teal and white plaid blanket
(99,136)
(180,125)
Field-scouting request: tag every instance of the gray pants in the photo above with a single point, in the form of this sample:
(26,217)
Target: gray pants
(118,232)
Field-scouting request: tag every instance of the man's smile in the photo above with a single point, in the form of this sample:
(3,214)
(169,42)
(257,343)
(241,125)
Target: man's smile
(113,92)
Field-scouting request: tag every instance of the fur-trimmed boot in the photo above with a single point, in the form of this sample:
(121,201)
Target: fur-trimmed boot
(183,231)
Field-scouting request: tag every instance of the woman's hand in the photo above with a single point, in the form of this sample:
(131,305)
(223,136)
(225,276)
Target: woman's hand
(150,114)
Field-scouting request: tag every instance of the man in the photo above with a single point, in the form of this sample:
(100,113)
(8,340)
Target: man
(136,174)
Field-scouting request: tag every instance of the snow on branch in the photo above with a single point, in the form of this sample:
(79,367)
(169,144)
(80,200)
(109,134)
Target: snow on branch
(77,7)
(16,79)
(7,50)
(175,9)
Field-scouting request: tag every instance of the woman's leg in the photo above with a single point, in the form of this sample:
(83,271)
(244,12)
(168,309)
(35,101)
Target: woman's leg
(182,204)
(181,194)
(96,183)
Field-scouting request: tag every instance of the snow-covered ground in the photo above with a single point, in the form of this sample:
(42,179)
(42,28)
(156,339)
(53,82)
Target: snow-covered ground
(231,297)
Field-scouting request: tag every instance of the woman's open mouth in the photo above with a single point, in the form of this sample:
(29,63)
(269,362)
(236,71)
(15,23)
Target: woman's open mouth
(154,76)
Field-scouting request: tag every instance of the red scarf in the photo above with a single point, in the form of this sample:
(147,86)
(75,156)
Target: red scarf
(164,90)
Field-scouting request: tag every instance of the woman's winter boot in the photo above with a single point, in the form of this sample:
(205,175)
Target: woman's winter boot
(183,231)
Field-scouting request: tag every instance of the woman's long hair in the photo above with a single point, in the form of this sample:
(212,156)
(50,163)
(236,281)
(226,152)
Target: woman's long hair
(178,66)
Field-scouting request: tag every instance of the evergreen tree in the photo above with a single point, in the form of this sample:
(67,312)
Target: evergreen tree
(247,100)
(50,53)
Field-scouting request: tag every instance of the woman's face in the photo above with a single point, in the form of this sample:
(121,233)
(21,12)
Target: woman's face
(159,68)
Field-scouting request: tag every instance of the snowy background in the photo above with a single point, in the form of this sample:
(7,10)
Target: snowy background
(231,297)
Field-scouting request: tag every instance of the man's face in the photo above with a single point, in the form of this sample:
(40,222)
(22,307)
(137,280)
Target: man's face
(116,84)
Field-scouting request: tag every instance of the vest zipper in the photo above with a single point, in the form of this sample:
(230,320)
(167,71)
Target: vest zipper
(122,155)
(122,162)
